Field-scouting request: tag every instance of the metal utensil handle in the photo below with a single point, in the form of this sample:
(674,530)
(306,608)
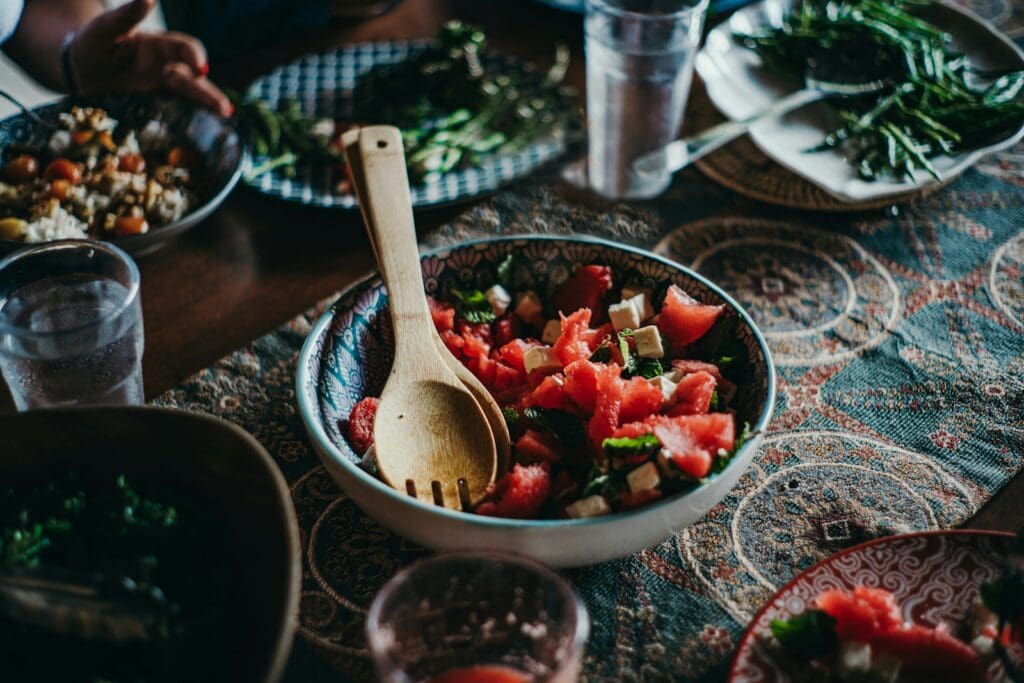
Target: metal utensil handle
(25,110)
(681,153)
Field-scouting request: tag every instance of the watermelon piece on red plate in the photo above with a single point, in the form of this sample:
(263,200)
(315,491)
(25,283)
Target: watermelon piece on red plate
(683,319)
(570,345)
(534,446)
(694,440)
(929,654)
(640,398)
(550,393)
(861,613)
(360,424)
(587,288)
(581,383)
(520,494)
(605,419)
(693,394)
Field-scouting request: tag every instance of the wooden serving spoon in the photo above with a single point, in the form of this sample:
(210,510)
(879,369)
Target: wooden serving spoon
(431,436)
(502,439)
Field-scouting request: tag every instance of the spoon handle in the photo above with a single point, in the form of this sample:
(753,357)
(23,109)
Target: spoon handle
(387,210)
(681,153)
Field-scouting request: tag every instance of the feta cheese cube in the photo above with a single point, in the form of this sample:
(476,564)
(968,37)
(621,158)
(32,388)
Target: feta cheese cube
(854,658)
(983,645)
(591,506)
(499,299)
(667,388)
(529,308)
(624,315)
(541,358)
(642,300)
(552,330)
(665,465)
(648,342)
(643,478)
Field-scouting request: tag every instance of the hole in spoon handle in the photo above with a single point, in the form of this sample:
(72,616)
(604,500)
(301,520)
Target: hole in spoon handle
(435,487)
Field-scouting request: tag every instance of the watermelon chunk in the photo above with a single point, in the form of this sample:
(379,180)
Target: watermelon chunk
(640,398)
(534,446)
(581,383)
(683,320)
(507,328)
(570,345)
(360,424)
(694,440)
(605,419)
(693,394)
(512,353)
(520,494)
(506,377)
(443,314)
(861,613)
(587,288)
(929,654)
(550,393)
(686,367)
(594,336)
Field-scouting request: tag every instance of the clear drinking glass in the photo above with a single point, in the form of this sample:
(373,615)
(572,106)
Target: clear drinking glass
(639,68)
(499,617)
(71,325)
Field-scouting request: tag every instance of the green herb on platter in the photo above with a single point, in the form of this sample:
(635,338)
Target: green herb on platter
(625,446)
(934,101)
(472,305)
(566,427)
(808,636)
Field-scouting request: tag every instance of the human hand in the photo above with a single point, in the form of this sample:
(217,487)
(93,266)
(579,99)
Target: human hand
(110,53)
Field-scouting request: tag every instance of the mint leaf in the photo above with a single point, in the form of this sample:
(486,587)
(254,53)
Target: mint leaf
(714,406)
(630,366)
(647,444)
(808,636)
(566,427)
(722,462)
(604,484)
(505,272)
(649,368)
(472,306)
(511,418)
(602,354)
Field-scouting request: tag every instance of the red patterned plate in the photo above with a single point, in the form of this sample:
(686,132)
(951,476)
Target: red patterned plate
(934,575)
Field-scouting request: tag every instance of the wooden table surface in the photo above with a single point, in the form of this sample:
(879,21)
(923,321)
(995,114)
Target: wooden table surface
(258,262)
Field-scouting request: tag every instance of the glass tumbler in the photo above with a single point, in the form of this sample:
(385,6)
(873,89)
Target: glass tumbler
(639,68)
(71,325)
(477,616)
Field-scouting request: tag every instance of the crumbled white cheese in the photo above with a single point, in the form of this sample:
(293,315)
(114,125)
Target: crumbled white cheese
(529,308)
(643,478)
(642,300)
(666,386)
(591,506)
(59,225)
(541,358)
(648,342)
(552,330)
(983,645)
(499,299)
(624,315)
(854,658)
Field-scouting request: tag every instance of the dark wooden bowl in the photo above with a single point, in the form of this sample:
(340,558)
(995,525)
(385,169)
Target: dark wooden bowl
(215,469)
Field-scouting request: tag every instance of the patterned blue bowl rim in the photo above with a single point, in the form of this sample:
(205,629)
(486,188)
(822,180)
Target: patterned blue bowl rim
(309,411)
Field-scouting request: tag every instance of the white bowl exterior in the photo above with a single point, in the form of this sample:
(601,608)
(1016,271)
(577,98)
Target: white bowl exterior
(740,87)
(565,545)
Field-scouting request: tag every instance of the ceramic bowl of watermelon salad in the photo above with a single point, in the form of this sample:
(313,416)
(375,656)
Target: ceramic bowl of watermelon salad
(635,390)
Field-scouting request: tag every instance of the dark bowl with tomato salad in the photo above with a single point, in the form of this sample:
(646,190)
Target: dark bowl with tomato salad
(347,357)
(213,145)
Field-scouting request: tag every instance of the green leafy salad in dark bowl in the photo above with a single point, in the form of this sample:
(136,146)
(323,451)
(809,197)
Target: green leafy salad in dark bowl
(142,545)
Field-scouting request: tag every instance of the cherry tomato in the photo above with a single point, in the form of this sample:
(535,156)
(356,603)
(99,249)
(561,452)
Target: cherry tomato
(64,169)
(59,189)
(130,225)
(180,157)
(132,163)
(21,168)
(82,137)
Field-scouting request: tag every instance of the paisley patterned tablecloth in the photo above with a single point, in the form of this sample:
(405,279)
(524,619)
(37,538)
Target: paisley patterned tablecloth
(899,336)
